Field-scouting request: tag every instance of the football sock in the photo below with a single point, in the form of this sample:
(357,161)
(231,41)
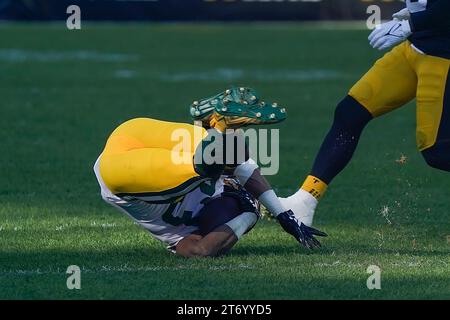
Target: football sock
(303,204)
(242,223)
(244,171)
(314,186)
(339,145)
(272,203)
(438,156)
(251,179)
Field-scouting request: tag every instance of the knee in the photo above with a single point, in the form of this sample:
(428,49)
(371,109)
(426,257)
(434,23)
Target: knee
(351,114)
(438,156)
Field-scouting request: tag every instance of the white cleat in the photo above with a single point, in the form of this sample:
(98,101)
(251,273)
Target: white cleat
(303,204)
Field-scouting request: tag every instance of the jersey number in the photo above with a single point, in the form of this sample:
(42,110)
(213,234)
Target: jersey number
(185,219)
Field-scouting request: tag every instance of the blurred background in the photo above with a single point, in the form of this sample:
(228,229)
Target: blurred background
(195,10)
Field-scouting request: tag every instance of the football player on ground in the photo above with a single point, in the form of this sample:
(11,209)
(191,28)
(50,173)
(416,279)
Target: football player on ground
(417,67)
(196,207)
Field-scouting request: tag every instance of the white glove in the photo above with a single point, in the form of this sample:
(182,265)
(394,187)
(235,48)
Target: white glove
(390,34)
(403,14)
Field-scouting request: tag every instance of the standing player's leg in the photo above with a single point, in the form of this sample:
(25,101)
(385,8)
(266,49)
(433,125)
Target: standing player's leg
(388,85)
(433,110)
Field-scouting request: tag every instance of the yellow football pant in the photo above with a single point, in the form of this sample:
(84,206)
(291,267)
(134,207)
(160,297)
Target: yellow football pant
(143,156)
(397,78)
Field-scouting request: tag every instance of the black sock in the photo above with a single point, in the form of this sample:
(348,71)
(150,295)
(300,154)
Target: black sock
(340,143)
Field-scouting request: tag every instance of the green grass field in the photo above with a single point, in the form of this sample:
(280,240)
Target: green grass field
(62,92)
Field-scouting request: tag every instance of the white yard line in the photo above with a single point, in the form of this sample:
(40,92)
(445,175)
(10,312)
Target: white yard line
(233,74)
(21,55)
(123,268)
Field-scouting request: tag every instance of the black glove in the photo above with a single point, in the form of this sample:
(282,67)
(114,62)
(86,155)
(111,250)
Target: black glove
(303,233)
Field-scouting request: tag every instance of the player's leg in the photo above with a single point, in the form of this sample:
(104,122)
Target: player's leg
(388,85)
(140,159)
(433,111)
(152,133)
(145,171)
(134,163)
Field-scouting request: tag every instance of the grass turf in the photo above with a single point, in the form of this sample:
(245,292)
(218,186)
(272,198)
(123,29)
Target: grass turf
(63,92)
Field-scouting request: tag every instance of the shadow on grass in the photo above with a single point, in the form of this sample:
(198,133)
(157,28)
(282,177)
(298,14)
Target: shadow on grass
(189,284)
(158,256)
(54,258)
(345,248)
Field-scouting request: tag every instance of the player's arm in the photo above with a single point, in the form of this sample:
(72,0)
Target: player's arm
(222,238)
(435,17)
(390,34)
(405,23)
(249,175)
(222,222)
(214,244)
(238,163)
